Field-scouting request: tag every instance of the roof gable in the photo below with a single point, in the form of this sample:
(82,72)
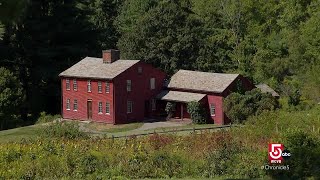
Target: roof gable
(90,67)
(267,89)
(201,81)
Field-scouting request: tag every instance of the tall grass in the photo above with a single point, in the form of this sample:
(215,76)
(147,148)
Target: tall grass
(236,153)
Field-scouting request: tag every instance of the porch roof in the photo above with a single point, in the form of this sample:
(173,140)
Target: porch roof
(179,96)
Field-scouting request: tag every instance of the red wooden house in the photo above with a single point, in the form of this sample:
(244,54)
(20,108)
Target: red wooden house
(207,88)
(110,90)
(118,91)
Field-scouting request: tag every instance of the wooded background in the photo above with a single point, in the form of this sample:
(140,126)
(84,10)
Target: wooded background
(269,41)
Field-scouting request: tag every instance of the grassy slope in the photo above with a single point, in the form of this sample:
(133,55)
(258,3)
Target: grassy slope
(17,134)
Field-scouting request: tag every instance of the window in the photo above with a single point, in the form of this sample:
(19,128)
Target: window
(89,86)
(107,108)
(128,85)
(75,85)
(153,104)
(129,106)
(100,107)
(107,87)
(99,87)
(152,83)
(139,70)
(68,84)
(75,105)
(68,104)
(212,110)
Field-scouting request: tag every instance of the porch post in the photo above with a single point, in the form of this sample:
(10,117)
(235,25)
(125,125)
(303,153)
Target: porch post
(181,104)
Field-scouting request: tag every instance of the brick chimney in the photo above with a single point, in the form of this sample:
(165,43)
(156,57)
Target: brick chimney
(110,56)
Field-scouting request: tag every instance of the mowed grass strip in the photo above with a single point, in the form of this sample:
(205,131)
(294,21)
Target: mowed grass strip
(17,134)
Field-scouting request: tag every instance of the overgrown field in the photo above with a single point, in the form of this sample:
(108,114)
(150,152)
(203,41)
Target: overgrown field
(236,153)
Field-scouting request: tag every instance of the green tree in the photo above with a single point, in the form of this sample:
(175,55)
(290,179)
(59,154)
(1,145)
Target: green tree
(165,33)
(10,11)
(11,96)
(104,13)
(52,36)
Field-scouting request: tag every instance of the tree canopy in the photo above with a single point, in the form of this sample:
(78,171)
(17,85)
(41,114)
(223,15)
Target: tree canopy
(274,42)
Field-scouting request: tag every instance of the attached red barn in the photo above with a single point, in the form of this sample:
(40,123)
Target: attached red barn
(207,88)
(110,90)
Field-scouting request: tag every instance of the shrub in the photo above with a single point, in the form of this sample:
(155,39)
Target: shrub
(304,161)
(69,130)
(238,152)
(196,112)
(239,107)
(44,118)
(294,98)
(170,108)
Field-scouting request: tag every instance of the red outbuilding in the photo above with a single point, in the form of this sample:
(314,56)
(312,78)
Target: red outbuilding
(207,88)
(109,89)
(117,91)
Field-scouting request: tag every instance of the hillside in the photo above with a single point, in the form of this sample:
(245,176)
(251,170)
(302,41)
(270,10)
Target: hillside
(274,42)
(239,152)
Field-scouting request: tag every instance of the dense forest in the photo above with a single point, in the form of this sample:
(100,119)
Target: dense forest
(273,42)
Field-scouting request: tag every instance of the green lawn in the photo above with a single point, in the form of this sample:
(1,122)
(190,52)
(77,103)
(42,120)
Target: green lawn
(29,132)
(109,128)
(162,130)
(17,134)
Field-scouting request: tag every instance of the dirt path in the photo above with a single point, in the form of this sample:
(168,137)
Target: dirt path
(145,127)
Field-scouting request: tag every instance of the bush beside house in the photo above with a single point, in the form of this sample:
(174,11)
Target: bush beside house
(238,107)
(197,112)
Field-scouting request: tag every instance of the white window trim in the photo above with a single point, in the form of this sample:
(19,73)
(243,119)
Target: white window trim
(107,87)
(74,103)
(89,85)
(212,104)
(68,104)
(75,85)
(99,87)
(109,108)
(100,112)
(131,109)
(129,85)
(152,83)
(68,83)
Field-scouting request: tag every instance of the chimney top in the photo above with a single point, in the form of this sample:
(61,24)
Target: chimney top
(110,55)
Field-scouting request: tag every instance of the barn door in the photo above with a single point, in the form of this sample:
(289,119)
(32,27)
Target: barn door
(89,109)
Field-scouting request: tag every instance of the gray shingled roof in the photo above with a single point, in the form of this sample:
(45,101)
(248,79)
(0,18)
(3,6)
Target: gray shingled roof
(179,96)
(90,67)
(267,89)
(201,81)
